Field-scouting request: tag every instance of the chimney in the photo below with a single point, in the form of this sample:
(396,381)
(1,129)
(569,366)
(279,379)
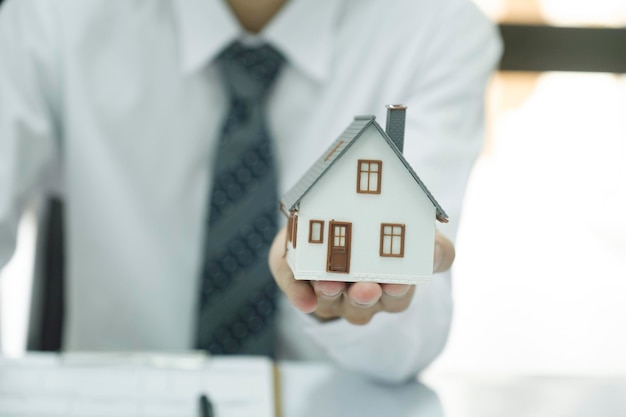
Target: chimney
(396,116)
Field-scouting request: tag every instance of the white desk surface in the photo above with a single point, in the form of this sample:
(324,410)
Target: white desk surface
(319,390)
(312,390)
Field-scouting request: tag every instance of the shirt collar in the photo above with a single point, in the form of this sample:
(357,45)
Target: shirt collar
(302,31)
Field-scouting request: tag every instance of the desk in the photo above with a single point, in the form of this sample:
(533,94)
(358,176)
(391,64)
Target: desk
(319,390)
(314,390)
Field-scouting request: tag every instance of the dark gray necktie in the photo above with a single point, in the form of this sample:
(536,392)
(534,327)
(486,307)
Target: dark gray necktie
(238,297)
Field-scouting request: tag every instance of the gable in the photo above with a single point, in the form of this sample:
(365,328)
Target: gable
(336,151)
(348,188)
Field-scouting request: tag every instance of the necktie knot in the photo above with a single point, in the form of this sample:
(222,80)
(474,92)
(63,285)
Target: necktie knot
(249,71)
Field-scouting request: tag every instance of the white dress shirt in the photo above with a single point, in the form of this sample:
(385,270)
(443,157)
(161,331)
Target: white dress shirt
(116,105)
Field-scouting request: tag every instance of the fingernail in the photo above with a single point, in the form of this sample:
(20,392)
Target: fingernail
(327,290)
(438,257)
(398,294)
(363,304)
(331,293)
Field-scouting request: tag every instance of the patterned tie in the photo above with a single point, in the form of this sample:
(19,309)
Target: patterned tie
(238,297)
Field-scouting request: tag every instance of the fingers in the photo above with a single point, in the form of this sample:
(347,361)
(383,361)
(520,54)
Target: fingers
(444,253)
(359,302)
(396,297)
(299,293)
(356,302)
(363,301)
(330,298)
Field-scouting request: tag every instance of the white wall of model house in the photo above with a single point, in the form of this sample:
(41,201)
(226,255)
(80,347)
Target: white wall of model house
(335,197)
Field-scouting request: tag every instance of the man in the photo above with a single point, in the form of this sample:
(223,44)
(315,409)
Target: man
(119,107)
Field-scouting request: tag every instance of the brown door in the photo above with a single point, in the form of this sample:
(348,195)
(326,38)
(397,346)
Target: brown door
(340,234)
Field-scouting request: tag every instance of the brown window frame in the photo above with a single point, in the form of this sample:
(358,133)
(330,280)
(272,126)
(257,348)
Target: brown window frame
(295,230)
(392,235)
(289,227)
(368,172)
(321,223)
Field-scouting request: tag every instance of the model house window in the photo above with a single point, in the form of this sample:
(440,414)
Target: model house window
(339,236)
(290,228)
(368,177)
(392,240)
(316,231)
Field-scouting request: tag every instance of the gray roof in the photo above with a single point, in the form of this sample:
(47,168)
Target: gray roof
(335,151)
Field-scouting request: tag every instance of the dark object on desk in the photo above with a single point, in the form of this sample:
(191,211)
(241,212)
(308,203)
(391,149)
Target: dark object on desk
(45,327)
(206,407)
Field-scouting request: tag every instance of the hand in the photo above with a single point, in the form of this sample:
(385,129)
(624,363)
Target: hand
(356,302)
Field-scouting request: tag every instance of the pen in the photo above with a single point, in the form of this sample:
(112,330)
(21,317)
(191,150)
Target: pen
(206,408)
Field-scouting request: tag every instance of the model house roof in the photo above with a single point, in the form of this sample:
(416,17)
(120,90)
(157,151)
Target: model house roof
(336,150)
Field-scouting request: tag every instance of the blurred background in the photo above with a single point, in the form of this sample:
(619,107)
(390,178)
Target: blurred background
(540,277)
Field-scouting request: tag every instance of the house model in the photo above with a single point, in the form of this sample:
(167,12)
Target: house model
(361,213)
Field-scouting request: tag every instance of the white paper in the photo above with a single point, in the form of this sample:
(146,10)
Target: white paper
(127,384)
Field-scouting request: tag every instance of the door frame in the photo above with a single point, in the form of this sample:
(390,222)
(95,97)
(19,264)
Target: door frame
(331,238)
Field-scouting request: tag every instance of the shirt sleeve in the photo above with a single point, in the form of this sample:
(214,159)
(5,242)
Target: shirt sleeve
(446,104)
(28,67)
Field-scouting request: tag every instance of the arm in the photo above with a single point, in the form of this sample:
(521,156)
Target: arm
(27,129)
(446,98)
